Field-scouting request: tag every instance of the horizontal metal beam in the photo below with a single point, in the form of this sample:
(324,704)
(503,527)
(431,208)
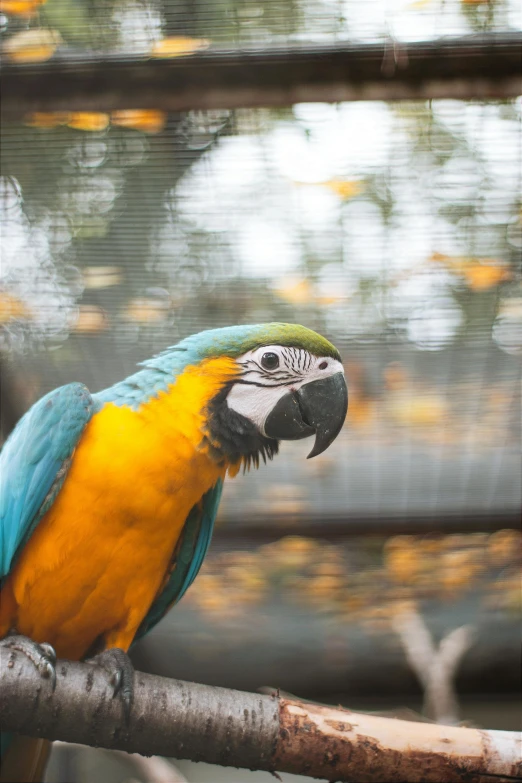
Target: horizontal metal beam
(262,529)
(485,66)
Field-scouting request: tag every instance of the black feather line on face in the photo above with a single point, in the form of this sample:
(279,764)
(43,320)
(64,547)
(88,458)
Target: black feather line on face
(266,385)
(231,437)
(295,362)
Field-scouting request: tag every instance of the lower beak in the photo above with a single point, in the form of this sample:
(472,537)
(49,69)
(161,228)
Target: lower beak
(317,408)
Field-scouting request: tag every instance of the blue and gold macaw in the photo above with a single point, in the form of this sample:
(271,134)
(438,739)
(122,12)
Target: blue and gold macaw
(108,500)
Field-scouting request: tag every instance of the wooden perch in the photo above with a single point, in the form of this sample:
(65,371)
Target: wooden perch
(254,731)
(474,66)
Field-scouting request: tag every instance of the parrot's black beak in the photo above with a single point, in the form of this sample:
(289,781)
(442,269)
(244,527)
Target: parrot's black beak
(317,408)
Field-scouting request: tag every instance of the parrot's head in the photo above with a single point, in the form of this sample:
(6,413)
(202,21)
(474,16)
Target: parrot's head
(288,383)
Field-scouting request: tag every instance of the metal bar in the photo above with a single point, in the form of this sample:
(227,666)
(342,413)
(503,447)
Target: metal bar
(483,66)
(262,529)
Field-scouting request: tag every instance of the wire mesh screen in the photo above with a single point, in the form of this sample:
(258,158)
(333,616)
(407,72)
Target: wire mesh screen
(392,228)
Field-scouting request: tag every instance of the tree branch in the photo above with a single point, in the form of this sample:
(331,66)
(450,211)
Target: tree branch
(233,728)
(473,66)
(435,667)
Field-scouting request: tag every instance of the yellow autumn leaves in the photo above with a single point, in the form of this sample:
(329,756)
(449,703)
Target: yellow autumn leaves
(343,188)
(21,8)
(144,120)
(178,46)
(40,43)
(318,576)
(12,308)
(90,319)
(32,46)
(479,274)
(418,5)
(449,566)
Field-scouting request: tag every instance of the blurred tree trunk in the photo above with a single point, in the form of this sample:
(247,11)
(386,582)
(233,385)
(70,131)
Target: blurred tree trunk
(10,406)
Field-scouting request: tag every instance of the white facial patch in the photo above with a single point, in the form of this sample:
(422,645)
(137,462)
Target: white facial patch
(262,384)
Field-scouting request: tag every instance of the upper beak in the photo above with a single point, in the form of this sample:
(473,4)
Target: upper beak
(318,407)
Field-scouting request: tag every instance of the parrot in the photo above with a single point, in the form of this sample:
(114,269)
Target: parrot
(108,500)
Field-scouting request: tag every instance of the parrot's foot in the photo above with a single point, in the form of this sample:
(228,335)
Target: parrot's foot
(118,665)
(43,656)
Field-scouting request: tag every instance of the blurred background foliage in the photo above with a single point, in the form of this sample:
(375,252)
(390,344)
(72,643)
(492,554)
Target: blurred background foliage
(393,228)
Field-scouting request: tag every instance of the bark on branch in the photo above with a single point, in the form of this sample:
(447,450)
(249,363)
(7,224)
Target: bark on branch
(473,66)
(254,731)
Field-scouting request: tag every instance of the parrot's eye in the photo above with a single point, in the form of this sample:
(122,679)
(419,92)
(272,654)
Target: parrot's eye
(270,361)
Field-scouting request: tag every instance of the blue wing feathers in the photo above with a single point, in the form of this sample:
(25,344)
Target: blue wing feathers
(34,461)
(210,507)
(192,548)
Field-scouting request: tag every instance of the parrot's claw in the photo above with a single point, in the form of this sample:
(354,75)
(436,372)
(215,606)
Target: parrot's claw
(117,664)
(43,656)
